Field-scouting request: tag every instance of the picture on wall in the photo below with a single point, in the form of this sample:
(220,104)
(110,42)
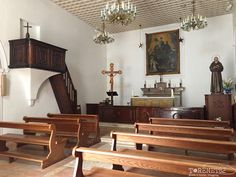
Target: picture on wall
(162,53)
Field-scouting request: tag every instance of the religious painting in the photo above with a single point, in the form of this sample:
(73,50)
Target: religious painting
(162,53)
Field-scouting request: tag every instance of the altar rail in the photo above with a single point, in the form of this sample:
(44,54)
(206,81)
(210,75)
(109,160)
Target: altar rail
(132,114)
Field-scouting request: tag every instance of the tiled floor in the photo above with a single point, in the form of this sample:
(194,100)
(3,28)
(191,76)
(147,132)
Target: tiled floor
(22,168)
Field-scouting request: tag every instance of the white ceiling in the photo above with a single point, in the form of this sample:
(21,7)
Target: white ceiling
(150,13)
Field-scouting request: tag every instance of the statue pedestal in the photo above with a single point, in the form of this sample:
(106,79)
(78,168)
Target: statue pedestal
(219,105)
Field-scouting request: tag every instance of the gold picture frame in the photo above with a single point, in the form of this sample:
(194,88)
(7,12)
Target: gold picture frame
(163,53)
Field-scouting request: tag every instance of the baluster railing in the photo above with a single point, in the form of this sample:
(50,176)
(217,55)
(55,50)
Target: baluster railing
(72,92)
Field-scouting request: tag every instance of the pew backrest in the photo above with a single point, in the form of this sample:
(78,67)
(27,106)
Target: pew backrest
(202,145)
(91,122)
(186,131)
(189,122)
(62,125)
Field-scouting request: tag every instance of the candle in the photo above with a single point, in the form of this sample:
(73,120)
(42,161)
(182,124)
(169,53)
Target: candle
(172,93)
(132,93)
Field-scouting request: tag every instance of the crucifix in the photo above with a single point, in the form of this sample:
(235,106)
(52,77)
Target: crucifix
(27,28)
(111,74)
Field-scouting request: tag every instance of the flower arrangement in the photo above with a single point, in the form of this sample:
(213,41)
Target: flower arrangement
(228,85)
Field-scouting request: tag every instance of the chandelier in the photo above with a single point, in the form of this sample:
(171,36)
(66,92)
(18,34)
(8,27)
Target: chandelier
(193,22)
(119,12)
(229,6)
(103,37)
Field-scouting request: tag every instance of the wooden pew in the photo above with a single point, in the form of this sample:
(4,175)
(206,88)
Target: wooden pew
(90,126)
(55,144)
(189,122)
(148,160)
(186,131)
(200,145)
(65,128)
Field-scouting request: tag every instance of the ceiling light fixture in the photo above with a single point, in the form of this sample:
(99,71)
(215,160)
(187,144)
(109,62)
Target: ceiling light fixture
(103,37)
(193,22)
(120,12)
(229,6)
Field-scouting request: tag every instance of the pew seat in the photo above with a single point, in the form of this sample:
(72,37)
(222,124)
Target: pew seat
(55,144)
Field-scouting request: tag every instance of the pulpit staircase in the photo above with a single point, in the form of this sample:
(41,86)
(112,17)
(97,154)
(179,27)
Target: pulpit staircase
(65,93)
(34,54)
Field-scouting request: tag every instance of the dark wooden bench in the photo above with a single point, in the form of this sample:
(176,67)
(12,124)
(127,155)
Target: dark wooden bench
(54,144)
(189,122)
(163,162)
(90,128)
(186,131)
(194,144)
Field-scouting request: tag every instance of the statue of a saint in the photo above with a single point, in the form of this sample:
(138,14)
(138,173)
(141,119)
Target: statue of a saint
(216,79)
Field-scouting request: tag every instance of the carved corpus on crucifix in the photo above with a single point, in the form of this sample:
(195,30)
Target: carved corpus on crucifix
(111,74)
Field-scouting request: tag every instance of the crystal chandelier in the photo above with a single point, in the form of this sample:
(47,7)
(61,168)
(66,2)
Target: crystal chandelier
(103,37)
(120,12)
(229,6)
(193,22)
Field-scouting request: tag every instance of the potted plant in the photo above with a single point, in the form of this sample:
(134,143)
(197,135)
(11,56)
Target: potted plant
(227,86)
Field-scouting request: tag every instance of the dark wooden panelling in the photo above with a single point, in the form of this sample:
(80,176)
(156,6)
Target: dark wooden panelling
(36,54)
(219,105)
(131,114)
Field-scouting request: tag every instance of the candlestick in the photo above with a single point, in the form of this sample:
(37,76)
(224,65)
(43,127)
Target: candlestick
(161,79)
(180,82)
(172,93)
(169,84)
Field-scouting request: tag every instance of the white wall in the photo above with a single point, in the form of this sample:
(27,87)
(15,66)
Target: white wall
(196,54)
(85,59)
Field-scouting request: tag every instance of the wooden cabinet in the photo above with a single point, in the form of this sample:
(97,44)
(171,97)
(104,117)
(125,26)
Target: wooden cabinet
(219,105)
(132,114)
(32,53)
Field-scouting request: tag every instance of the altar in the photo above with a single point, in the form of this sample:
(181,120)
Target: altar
(161,95)
(153,101)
